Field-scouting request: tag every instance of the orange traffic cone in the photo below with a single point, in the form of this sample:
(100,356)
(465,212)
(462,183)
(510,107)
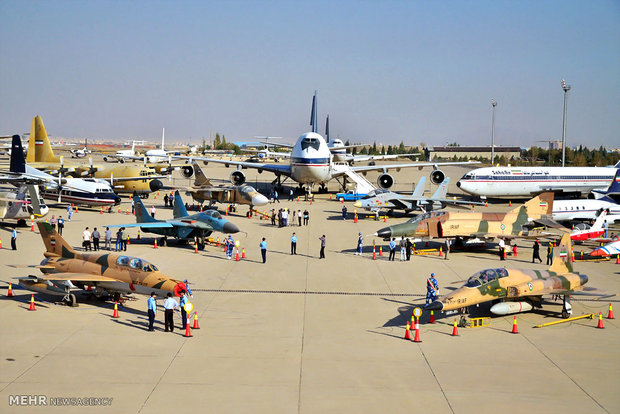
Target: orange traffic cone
(195,321)
(119,209)
(126,211)
(310,201)
(128,240)
(416,338)
(32,303)
(455,330)
(101,210)
(374,253)
(407,333)
(509,203)
(138,235)
(237,256)
(514,325)
(385,218)
(155,245)
(77,210)
(226,210)
(618,259)
(600,321)
(243,253)
(610,315)
(355,218)
(380,250)
(432,319)
(195,247)
(440,251)
(9,294)
(0,243)
(32,226)
(188,332)
(115,315)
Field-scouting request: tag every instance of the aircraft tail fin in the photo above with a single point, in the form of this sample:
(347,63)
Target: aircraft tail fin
(200,179)
(313,114)
(163,135)
(563,256)
(600,220)
(327,129)
(178,210)
(39,148)
(35,200)
(142,216)
(54,243)
(442,190)
(538,206)
(615,184)
(418,191)
(18,164)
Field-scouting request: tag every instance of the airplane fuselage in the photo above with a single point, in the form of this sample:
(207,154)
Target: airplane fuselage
(310,160)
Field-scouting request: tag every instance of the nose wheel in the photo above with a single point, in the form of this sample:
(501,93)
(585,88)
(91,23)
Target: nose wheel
(567,309)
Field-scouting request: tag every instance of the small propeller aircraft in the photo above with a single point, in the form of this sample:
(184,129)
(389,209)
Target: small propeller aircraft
(65,269)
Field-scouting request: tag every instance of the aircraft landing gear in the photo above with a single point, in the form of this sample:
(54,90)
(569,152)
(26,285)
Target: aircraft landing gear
(323,188)
(567,309)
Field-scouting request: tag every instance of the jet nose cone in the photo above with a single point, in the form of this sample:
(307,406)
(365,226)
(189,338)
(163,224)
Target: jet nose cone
(230,228)
(458,184)
(117,200)
(434,306)
(385,232)
(358,204)
(156,185)
(259,200)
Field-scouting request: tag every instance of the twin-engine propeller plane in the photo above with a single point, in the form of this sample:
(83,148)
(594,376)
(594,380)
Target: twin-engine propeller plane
(65,269)
(518,290)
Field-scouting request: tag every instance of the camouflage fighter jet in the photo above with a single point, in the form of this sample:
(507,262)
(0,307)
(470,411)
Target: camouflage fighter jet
(64,269)
(183,226)
(470,224)
(203,190)
(518,290)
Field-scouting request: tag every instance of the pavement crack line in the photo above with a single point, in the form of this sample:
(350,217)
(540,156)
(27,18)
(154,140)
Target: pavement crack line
(436,380)
(303,333)
(565,373)
(202,310)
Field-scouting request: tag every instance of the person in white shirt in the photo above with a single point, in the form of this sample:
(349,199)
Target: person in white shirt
(170,304)
(86,237)
(153,211)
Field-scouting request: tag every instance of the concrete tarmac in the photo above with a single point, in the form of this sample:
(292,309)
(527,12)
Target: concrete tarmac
(299,334)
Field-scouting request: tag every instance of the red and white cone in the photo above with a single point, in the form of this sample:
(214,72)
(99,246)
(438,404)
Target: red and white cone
(407,333)
(188,332)
(374,253)
(416,338)
(243,253)
(237,256)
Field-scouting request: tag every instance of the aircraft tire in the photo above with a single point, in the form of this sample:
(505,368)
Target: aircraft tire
(72,301)
(565,314)
(201,246)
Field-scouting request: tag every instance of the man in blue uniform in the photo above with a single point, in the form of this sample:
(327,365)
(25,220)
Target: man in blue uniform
(152,305)
(230,243)
(360,244)
(14,239)
(432,288)
(263,249)
(294,244)
(183,311)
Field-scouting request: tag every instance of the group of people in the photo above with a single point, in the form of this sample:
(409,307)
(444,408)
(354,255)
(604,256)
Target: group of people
(90,240)
(405,246)
(169,200)
(284,217)
(170,305)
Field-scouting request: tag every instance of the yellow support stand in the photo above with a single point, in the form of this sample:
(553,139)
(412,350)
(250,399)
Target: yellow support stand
(574,318)
(479,322)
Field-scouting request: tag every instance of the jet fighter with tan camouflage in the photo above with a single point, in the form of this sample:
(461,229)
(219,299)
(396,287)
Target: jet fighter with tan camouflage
(65,269)
(518,290)
(472,224)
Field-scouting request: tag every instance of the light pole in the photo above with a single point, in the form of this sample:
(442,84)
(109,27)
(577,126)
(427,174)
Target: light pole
(566,88)
(494,104)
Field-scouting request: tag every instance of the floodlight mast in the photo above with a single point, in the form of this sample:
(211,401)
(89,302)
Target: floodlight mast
(566,88)
(494,104)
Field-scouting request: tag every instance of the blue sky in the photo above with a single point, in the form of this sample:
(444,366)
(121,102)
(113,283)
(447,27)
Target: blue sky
(385,71)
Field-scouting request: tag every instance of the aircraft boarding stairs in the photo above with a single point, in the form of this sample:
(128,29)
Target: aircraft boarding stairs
(362,185)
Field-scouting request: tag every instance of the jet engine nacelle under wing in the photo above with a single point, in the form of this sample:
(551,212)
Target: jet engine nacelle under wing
(437,176)
(237,178)
(187,171)
(385,180)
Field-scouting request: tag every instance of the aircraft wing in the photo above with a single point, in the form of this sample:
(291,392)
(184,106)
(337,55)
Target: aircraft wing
(156,225)
(551,223)
(121,179)
(194,224)
(386,167)
(274,168)
(75,277)
(455,202)
(399,204)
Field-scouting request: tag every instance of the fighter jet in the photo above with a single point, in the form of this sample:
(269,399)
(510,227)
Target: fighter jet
(233,194)
(384,199)
(463,225)
(518,290)
(64,269)
(183,226)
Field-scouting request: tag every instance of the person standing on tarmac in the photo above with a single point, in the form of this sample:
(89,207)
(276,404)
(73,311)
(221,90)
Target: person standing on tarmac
(392,249)
(448,244)
(263,249)
(14,238)
(344,212)
(299,217)
(550,254)
(403,249)
(360,244)
(108,238)
(169,306)
(294,244)
(96,236)
(306,217)
(61,224)
(536,253)
(409,246)
(322,252)
(230,243)
(184,300)
(432,289)
(152,310)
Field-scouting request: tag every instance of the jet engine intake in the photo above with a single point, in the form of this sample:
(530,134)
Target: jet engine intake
(237,178)
(385,181)
(187,171)
(437,176)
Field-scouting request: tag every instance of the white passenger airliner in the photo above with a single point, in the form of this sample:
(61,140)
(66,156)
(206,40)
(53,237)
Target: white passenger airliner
(311,162)
(530,181)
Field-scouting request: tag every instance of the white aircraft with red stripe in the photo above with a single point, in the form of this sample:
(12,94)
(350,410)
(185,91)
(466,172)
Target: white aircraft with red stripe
(597,229)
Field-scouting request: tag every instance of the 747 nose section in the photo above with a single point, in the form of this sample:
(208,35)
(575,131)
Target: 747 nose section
(434,306)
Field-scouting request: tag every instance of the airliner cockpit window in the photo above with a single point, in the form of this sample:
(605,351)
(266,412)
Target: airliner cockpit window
(310,142)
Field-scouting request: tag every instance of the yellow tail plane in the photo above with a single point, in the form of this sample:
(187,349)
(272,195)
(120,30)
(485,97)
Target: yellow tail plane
(39,148)
(538,206)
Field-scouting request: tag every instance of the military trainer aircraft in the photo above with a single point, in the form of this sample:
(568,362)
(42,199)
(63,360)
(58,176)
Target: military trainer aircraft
(183,226)
(518,290)
(64,269)
(234,194)
(463,225)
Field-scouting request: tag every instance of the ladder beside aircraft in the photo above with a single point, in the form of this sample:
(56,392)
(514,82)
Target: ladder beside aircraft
(362,185)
